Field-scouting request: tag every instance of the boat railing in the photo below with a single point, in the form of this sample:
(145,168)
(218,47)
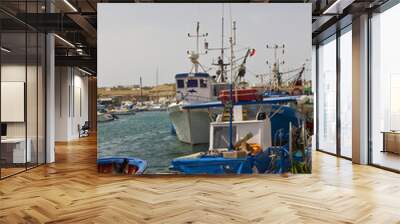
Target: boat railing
(197,98)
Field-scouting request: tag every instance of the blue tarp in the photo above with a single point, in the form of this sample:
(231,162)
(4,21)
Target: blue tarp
(280,123)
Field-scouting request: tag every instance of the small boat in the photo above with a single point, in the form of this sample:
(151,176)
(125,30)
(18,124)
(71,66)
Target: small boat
(209,164)
(157,107)
(123,112)
(142,108)
(106,117)
(121,165)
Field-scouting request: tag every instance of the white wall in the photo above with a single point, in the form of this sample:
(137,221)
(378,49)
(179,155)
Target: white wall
(16,73)
(33,126)
(62,81)
(50,93)
(80,105)
(360,90)
(71,102)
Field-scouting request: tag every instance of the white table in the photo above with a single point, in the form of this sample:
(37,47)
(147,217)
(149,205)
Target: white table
(19,154)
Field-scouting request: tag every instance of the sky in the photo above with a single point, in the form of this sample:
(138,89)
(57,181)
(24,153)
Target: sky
(136,39)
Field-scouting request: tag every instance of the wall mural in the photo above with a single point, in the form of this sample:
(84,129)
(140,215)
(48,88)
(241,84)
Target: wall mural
(204,88)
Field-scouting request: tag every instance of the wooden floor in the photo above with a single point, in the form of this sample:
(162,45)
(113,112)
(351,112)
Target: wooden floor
(5,172)
(70,191)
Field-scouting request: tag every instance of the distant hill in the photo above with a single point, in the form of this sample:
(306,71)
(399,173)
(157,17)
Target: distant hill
(164,90)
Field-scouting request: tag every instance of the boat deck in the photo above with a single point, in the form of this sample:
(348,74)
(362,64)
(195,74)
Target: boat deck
(71,191)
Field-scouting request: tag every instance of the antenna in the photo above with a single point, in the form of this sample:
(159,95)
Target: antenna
(194,56)
(222,32)
(234,32)
(197,36)
(275,48)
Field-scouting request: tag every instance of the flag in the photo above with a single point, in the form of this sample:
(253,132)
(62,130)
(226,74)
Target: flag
(252,52)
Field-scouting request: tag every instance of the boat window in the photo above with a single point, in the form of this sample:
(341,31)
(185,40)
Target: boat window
(203,83)
(221,137)
(180,83)
(192,83)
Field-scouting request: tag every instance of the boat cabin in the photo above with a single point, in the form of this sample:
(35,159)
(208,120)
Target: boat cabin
(194,87)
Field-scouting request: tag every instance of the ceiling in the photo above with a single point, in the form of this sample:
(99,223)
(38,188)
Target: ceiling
(76,22)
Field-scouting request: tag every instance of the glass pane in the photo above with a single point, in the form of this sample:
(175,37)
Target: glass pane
(180,83)
(313,82)
(192,83)
(13,87)
(327,97)
(31,97)
(221,137)
(385,83)
(346,94)
(41,99)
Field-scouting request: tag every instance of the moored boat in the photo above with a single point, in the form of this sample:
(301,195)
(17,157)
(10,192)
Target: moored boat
(196,87)
(121,165)
(122,112)
(105,117)
(271,142)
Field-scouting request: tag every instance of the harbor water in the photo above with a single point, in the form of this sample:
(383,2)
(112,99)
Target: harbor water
(145,135)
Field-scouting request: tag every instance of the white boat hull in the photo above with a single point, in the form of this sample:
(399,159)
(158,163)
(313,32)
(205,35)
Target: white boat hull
(191,126)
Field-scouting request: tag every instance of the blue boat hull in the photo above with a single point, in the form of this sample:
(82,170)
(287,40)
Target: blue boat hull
(274,160)
(212,165)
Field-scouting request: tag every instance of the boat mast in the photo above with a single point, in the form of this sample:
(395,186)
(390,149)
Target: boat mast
(221,62)
(157,95)
(231,42)
(231,103)
(221,73)
(141,91)
(276,74)
(194,56)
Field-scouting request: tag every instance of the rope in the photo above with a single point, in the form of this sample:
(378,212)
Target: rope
(276,111)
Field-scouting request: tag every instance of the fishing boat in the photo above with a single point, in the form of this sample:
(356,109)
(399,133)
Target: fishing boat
(121,165)
(283,83)
(192,116)
(261,143)
(253,133)
(192,87)
(197,86)
(191,126)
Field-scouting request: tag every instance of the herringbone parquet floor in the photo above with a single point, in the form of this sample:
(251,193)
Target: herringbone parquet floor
(70,191)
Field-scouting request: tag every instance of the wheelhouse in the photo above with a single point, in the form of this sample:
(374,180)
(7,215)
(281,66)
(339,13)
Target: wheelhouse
(193,87)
